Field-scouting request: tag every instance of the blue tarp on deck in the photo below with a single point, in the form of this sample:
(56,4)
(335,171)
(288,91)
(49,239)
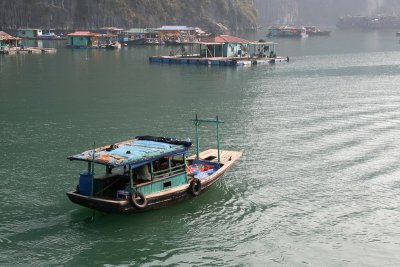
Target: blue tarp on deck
(130,152)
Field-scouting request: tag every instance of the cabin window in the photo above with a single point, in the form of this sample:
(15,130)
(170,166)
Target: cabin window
(168,166)
(167,184)
(161,167)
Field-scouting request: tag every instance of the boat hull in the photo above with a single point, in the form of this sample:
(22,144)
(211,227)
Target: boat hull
(125,206)
(319,33)
(163,198)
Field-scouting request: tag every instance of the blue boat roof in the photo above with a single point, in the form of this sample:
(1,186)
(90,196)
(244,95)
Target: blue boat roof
(131,152)
(175,28)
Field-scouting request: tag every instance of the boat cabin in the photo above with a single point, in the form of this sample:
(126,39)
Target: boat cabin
(144,164)
(8,41)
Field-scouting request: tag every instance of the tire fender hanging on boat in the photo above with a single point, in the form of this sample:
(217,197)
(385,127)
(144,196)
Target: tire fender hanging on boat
(138,200)
(195,187)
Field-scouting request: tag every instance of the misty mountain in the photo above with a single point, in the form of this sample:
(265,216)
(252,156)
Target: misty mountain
(320,12)
(215,15)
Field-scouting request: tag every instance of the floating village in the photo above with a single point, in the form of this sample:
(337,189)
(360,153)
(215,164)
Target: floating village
(193,45)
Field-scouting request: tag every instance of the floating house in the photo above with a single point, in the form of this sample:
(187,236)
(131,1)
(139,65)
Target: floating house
(39,34)
(224,50)
(110,30)
(11,45)
(29,33)
(8,42)
(83,39)
(224,46)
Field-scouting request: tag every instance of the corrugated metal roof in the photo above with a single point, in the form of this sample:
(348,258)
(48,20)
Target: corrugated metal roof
(140,30)
(176,28)
(6,36)
(81,34)
(29,29)
(111,29)
(226,39)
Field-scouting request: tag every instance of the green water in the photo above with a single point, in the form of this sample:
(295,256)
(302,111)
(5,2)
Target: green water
(318,184)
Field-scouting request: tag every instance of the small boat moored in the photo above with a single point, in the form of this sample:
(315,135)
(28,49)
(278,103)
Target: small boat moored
(286,31)
(148,173)
(315,31)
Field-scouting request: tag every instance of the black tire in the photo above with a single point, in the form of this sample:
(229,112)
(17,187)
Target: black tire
(138,200)
(195,187)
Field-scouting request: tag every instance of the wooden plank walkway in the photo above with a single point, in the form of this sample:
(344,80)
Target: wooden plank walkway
(221,61)
(27,50)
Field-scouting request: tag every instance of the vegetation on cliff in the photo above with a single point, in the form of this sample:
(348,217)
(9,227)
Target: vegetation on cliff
(215,15)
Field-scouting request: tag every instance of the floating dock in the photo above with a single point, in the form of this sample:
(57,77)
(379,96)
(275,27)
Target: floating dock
(28,50)
(221,61)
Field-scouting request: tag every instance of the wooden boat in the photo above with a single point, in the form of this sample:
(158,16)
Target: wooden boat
(113,45)
(144,41)
(148,173)
(286,31)
(315,31)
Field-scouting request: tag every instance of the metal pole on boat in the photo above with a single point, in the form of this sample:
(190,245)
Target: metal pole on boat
(219,159)
(196,123)
(92,171)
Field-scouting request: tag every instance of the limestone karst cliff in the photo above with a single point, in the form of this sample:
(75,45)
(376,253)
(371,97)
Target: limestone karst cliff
(215,15)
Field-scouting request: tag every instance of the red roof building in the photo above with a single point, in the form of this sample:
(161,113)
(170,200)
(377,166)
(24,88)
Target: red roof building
(8,41)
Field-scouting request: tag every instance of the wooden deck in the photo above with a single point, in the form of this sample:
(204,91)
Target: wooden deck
(28,50)
(219,61)
(212,155)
